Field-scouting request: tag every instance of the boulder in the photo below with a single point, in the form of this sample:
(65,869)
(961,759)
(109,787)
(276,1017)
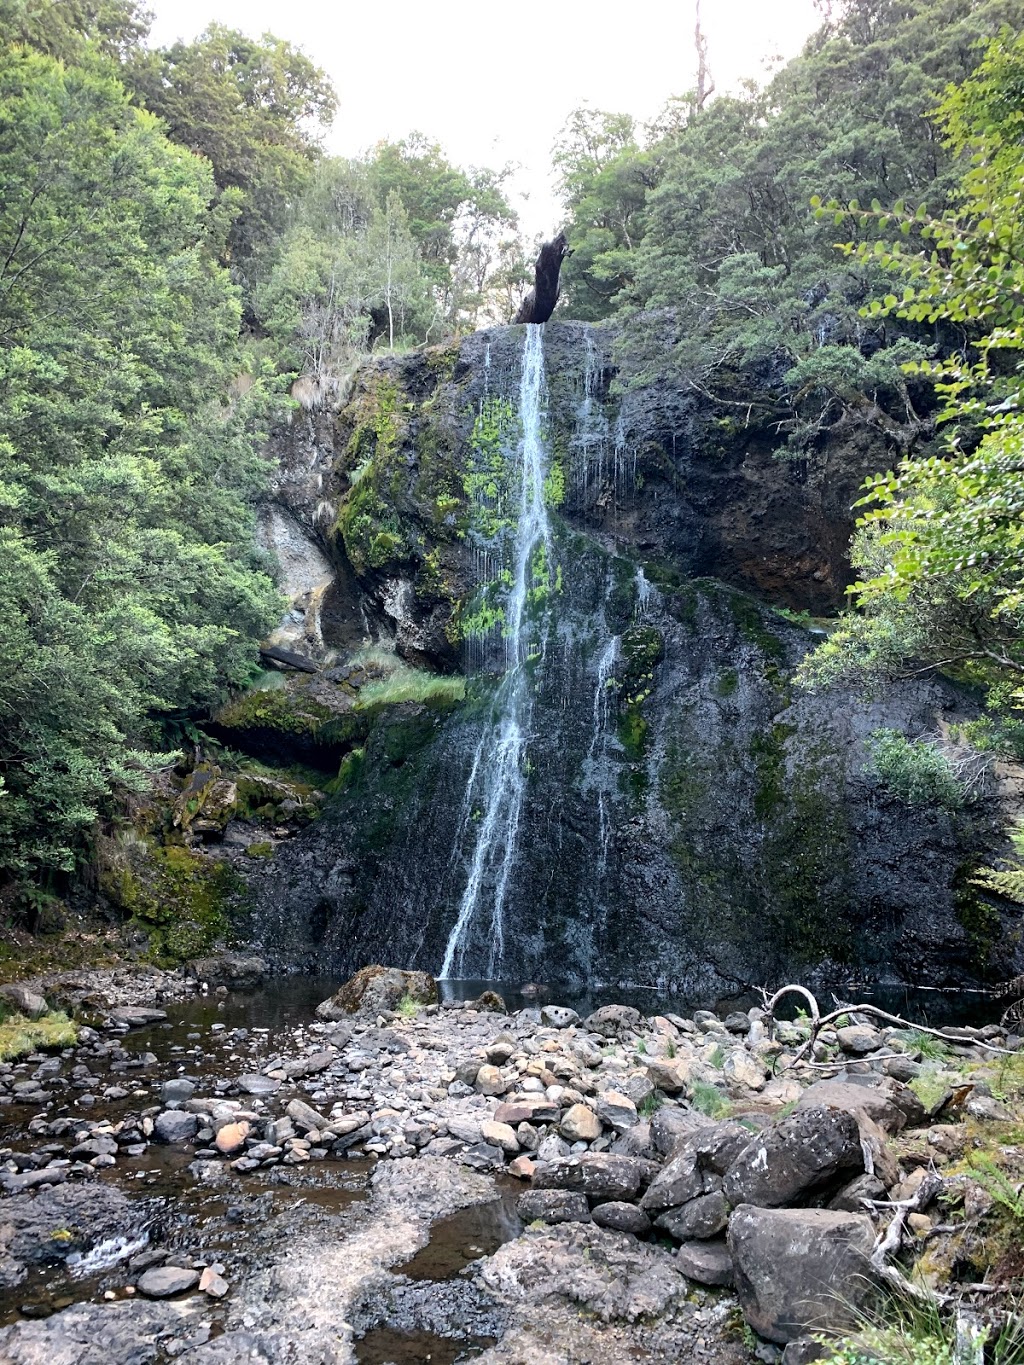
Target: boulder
(614,1021)
(233,970)
(305,1117)
(553,1206)
(799,1271)
(701,1218)
(176,1092)
(580,1124)
(500,1135)
(877,1099)
(26,1001)
(175,1125)
(859,1039)
(231,1138)
(679,1182)
(669,1127)
(252,1084)
(600,1175)
(136,1016)
(670,1074)
(617,1111)
(377,990)
(705,1262)
(798,1155)
(558,1016)
(163,1282)
(621,1217)
(850,1198)
(717,1145)
(743,1069)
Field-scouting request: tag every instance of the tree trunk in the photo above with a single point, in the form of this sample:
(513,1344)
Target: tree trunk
(540,302)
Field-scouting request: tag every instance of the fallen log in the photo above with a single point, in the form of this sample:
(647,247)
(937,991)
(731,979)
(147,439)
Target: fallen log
(539,303)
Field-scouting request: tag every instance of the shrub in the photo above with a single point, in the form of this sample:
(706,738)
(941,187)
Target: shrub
(915,770)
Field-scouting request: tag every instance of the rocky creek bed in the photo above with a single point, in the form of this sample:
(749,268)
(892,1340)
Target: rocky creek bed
(287,1176)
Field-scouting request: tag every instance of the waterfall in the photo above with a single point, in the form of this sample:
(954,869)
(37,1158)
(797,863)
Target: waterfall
(496,788)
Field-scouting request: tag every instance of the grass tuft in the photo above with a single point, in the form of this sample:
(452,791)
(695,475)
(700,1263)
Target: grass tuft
(20,1036)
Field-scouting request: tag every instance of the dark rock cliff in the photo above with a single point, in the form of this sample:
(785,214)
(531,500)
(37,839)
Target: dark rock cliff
(688,818)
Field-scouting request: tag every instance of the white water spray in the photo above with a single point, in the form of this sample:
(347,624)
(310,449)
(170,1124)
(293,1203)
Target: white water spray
(497,782)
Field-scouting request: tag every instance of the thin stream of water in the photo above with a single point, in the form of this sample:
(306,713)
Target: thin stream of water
(497,783)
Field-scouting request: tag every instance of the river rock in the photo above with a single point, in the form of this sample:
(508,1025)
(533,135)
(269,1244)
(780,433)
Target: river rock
(553,1206)
(163,1282)
(621,1217)
(25,1000)
(212,1283)
(175,1125)
(305,1117)
(378,990)
(490,1081)
(175,1093)
(617,1111)
(233,970)
(308,1066)
(260,1086)
(231,1138)
(558,1016)
(877,1099)
(670,1074)
(135,1016)
(850,1198)
(679,1182)
(859,1039)
(614,1021)
(580,1124)
(800,1270)
(704,1217)
(745,1070)
(797,1155)
(600,1175)
(716,1145)
(500,1135)
(706,1262)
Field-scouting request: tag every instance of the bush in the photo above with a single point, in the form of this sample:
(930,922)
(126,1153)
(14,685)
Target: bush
(915,770)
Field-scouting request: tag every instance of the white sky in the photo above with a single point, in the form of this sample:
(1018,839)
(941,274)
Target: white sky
(494,83)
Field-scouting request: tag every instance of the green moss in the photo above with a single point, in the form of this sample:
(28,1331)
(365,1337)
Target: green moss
(633,730)
(768,750)
(264,849)
(279,710)
(20,1036)
(750,621)
(727,683)
(178,899)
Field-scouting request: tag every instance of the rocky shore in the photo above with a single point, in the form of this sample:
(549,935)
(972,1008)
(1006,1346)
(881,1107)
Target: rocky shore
(714,1189)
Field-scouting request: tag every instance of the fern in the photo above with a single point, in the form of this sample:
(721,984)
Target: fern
(1008,880)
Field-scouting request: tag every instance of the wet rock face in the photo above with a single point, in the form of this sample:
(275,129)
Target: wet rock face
(687,814)
(83,1214)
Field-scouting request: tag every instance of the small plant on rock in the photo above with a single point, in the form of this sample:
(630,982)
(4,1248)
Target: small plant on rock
(407,1007)
(709,1100)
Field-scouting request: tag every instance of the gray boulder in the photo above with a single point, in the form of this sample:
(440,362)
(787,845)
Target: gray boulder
(621,1217)
(878,1099)
(175,1125)
(233,970)
(705,1262)
(703,1217)
(177,1091)
(377,990)
(679,1182)
(600,1175)
(800,1154)
(558,1016)
(27,1002)
(163,1282)
(799,1271)
(613,1021)
(669,1127)
(553,1206)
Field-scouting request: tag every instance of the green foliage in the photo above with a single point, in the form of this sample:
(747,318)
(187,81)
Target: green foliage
(20,1036)
(412,685)
(251,107)
(915,770)
(407,1007)
(920,1331)
(926,1044)
(941,548)
(994,1179)
(130,591)
(1007,880)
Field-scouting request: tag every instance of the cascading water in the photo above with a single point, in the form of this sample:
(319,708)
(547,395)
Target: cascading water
(495,791)
(598,776)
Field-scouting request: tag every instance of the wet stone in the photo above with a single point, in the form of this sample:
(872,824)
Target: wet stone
(553,1206)
(163,1282)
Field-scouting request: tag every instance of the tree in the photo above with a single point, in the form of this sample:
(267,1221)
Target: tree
(941,547)
(130,592)
(62,30)
(252,108)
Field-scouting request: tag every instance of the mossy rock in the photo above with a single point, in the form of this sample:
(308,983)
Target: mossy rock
(180,900)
